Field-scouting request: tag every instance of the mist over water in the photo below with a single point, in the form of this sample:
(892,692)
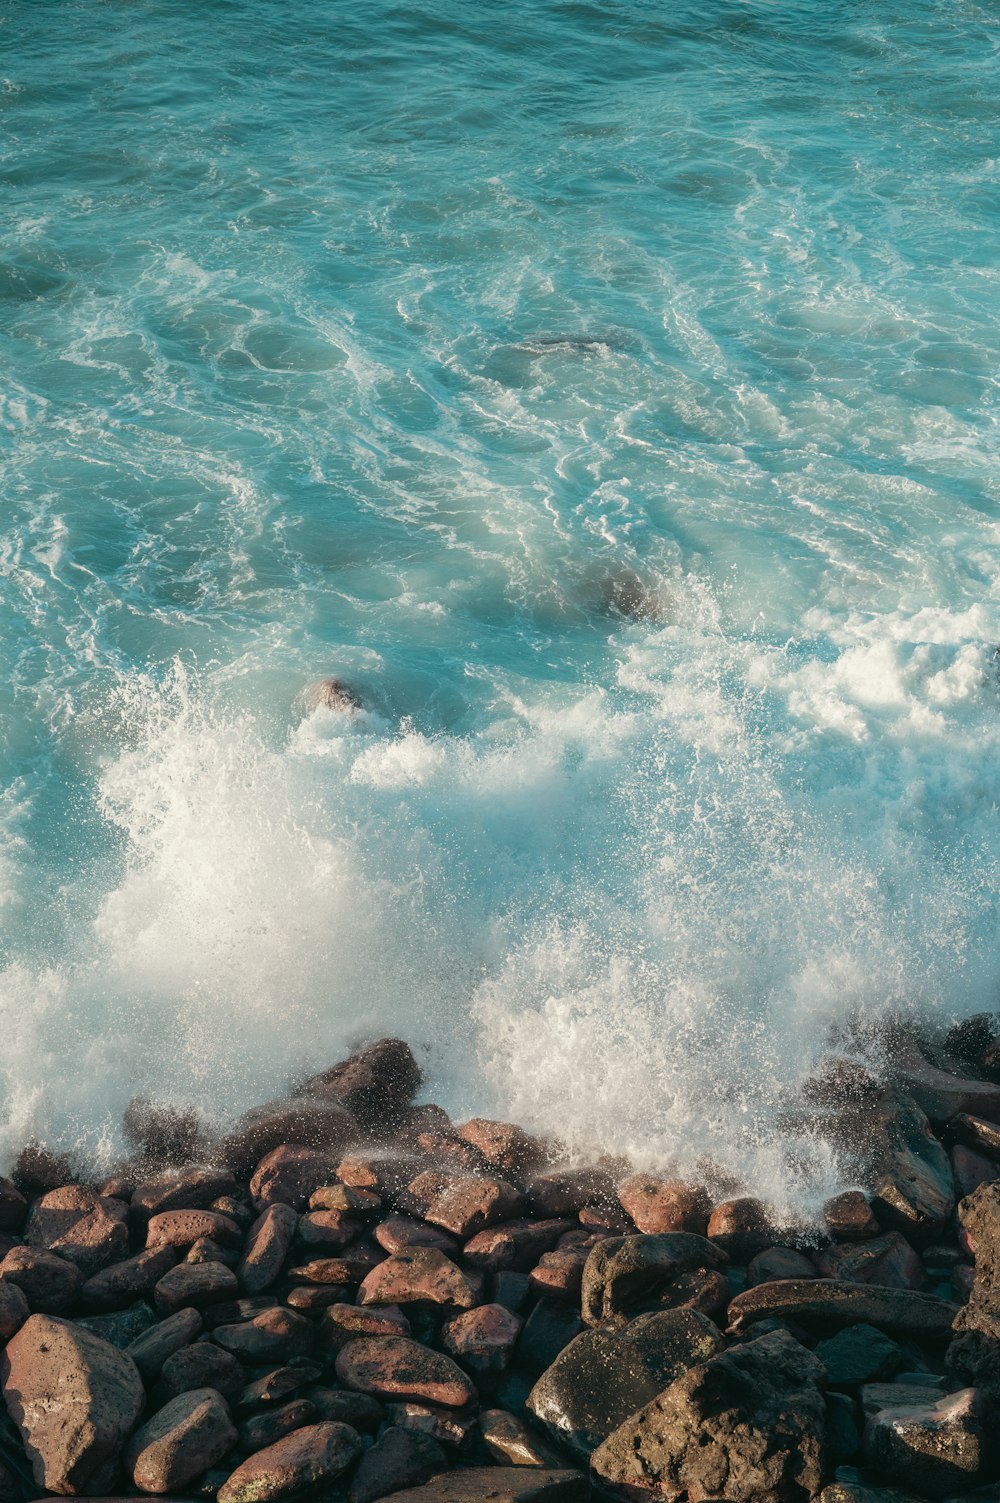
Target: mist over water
(608,396)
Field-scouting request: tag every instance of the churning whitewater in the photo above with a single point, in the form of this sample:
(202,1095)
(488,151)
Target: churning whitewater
(607,398)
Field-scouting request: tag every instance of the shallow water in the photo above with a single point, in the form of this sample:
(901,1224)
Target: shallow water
(607,394)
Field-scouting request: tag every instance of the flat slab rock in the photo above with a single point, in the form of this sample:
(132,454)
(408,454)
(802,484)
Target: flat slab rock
(747,1427)
(393,1367)
(903,1312)
(501,1484)
(74,1398)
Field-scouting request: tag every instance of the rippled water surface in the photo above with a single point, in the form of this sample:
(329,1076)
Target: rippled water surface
(607,394)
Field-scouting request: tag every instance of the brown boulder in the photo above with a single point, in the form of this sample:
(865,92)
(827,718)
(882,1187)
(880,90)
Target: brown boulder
(747,1426)
(741,1228)
(14,1309)
(193,1286)
(468,1203)
(665,1205)
(849,1217)
(86,1229)
(275,1422)
(401,1233)
(202,1365)
(341,1323)
(185,1438)
(302,1461)
(150,1350)
(267,1245)
(565,1192)
(506,1148)
(399,1458)
(345,1198)
(50,1284)
(483,1339)
(182,1228)
(308,1121)
(938,1448)
(273,1336)
(74,1398)
(290,1175)
(395,1367)
(422,1274)
(888,1261)
(123,1283)
(514,1244)
(624,1275)
(193,1188)
(376,1085)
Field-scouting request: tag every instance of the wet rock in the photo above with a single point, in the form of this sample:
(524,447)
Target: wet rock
(450,1151)
(780,1263)
(277,1421)
(13,1207)
(193,1286)
(50,1284)
(624,1275)
(422,1274)
(376,1085)
(232,1312)
(193,1188)
(342,1323)
(741,1228)
(276,1386)
(514,1244)
(912,1187)
(862,1492)
(273,1336)
(501,1485)
(307,1459)
(345,1198)
(559,1274)
(903,1312)
(747,1426)
(207,1251)
(601,1377)
(290,1175)
(859,1354)
(309,1298)
(455,1428)
(550,1327)
(123,1283)
(308,1121)
(849,1217)
(38,1169)
(151,1350)
(512,1290)
(86,1229)
(268,1243)
(938,1450)
(606,1219)
(121,1327)
(359,1410)
(386,1173)
(468,1203)
(182,1228)
(972,1169)
(401,1233)
(331,694)
(843,1431)
(565,1192)
(399,1458)
(392,1367)
(14,1309)
(939,1093)
(511,1443)
(978,1133)
(974,1354)
(482,1340)
(327,1231)
(100,1398)
(162,1133)
(665,1205)
(887,1260)
(350,1269)
(202,1365)
(908,1391)
(188,1435)
(505,1148)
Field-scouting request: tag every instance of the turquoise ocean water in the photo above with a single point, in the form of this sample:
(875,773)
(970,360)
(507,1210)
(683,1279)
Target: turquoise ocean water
(607,393)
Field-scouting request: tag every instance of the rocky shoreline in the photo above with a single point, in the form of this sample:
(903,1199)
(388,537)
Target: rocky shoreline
(350,1297)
